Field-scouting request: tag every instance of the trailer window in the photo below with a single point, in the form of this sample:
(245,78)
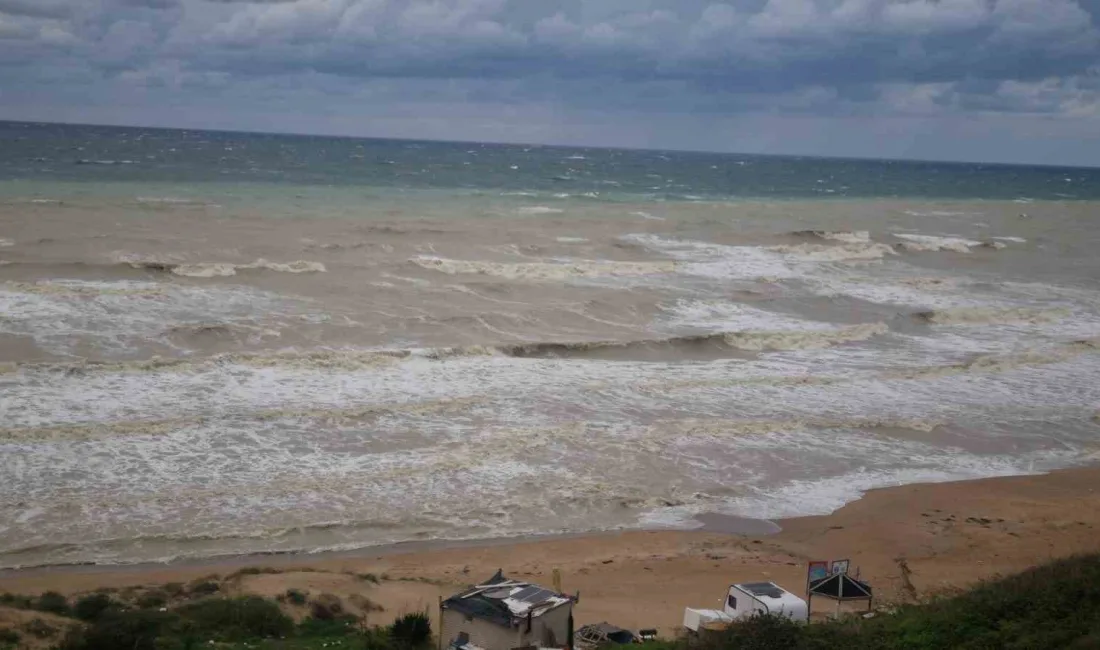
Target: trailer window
(732,601)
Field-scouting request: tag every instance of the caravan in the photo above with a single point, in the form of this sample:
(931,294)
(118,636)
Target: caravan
(745,600)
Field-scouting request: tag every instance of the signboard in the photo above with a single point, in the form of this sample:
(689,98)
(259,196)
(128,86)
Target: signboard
(838,567)
(818,570)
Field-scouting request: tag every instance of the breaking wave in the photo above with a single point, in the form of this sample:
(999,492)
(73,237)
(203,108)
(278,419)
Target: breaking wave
(724,427)
(987,316)
(991,363)
(330,416)
(835,253)
(748,341)
(74,288)
(207,333)
(356,359)
(931,244)
(318,359)
(845,236)
(545,271)
(218,269)
(539,209)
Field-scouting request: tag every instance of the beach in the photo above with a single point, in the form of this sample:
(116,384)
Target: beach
(946,536)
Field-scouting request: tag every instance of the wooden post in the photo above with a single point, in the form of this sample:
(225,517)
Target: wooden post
(839,593)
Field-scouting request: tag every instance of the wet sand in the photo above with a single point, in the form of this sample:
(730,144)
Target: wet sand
(908,541)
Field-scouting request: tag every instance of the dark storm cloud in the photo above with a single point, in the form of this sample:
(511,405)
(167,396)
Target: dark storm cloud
(35,8)
(821,57)
(769,47)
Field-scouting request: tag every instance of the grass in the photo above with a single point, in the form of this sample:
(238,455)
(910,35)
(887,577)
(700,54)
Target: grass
(233,619)
(254,571)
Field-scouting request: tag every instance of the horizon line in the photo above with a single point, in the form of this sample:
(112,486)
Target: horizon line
(295,134)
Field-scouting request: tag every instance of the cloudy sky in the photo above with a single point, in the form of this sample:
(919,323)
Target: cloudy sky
(996,80)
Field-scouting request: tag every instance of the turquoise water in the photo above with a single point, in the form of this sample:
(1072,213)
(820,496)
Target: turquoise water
(96,155)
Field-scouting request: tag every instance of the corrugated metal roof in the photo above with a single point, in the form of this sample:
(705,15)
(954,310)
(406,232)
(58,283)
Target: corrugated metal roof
(505,601)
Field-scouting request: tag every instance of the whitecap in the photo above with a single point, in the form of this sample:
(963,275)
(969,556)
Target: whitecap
(539,209)
(932,243)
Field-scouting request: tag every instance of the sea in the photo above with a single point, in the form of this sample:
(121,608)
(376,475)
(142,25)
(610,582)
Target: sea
(219,343)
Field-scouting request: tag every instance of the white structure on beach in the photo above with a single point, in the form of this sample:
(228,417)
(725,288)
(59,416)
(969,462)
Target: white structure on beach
(748,599)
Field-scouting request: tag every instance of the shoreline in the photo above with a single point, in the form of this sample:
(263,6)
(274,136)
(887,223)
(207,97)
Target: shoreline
(711,523)
(908,541)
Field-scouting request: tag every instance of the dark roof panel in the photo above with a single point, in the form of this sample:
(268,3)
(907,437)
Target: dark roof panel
(762,589)
(831,587)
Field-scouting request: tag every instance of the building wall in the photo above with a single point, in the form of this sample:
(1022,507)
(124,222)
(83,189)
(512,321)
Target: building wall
(482,633)
(550,629)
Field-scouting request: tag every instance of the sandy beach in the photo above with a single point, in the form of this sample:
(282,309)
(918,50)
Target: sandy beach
(908,541)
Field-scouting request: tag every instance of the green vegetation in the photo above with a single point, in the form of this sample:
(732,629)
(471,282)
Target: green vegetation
(52,602)
(1052,606)
(39,629)
(296,597)
(253,571)
(233,619)
(203,588)
(412,631)
(94,606)
(152,599)
(226,623)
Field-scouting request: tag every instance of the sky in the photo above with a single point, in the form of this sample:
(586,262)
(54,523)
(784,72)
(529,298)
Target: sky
(979,80)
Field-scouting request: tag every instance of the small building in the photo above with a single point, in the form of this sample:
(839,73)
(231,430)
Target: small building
(503,614)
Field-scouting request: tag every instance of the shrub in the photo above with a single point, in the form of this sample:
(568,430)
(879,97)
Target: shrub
(52,602)
(238,618)
(174,589)
(326,607)
(203,588)
(762,632)
(365,604)
(252,571)
(9,636)
(412,630)
(39,628)
(337,627)
(135,630)
(17,600)
(152,599)
(91,607)
(378,638)
(368,577)
(296,596)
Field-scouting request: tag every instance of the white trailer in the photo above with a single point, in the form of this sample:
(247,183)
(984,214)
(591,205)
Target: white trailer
(751,598)
(745,600)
